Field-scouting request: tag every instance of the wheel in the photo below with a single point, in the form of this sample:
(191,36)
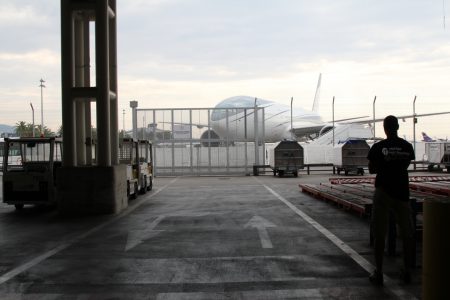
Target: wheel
(274,173)
(280,173)
(136,190)
(295,174)
(346,172)
(18,206)
(150,185)
(128,190)
(361,171)
(338,171)
(448,169)
(144,186)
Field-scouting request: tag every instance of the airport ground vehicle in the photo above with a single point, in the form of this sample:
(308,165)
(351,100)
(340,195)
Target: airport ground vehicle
(29,169)
(137,155)
(286,157)
(351,156)
(438,154)
(14,154)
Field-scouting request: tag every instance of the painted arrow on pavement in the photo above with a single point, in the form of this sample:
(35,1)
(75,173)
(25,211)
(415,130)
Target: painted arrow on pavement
(261,224)
(136,237)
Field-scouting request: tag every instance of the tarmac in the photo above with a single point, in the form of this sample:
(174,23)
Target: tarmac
(249,237)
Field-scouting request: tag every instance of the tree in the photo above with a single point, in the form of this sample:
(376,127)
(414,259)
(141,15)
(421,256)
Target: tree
(22,129)
(60,131)
(46,132)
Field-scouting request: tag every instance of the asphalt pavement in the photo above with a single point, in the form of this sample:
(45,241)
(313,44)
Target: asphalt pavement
(249,237)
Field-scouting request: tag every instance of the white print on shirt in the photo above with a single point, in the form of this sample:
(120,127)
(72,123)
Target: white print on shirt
(394,153)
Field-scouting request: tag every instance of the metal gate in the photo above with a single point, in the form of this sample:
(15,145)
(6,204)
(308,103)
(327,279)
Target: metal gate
(203,141)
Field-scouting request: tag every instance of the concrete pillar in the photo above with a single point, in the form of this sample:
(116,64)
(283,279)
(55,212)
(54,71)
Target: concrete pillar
(114,118)
(99,189)
(79,82)
(87,83)
(103,84)
(68,109)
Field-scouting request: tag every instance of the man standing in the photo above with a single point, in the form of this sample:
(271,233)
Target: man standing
(389,159)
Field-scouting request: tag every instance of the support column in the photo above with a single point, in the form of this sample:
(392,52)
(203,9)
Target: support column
(68,108)
(79,82)
(114,118)
(87,83)
(103,86)
(83,188)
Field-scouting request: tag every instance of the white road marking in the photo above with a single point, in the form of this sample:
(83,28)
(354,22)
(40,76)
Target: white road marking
(16,271)
(365,264)
(261,224)
(136,237)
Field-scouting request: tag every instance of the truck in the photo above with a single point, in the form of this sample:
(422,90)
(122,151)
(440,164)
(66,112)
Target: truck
(137,156)
(286,157)
(29,170)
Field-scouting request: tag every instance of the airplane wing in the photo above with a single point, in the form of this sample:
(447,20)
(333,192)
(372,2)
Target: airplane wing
(302,130)
(398,117)
(198,125)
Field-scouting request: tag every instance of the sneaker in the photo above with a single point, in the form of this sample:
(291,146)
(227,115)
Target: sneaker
(376,278)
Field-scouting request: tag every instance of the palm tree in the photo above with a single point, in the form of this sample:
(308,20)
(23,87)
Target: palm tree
(21,129)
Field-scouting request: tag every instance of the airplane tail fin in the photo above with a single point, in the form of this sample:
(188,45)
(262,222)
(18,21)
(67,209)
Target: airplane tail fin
(426,138)
(315,107)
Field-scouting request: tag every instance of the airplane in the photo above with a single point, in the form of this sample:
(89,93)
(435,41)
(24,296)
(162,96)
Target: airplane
(428,139)
(233,119)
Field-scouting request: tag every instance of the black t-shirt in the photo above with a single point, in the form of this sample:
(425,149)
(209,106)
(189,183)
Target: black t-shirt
(391,158)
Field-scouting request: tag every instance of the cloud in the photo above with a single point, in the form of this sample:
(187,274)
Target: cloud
(20,15)
(42,57)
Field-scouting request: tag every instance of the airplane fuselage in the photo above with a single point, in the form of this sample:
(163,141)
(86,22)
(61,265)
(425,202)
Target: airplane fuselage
(234,119)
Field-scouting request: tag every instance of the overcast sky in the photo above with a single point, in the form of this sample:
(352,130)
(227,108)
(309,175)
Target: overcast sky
(195,53)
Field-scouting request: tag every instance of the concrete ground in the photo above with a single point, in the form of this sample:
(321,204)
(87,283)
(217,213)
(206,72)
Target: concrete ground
(198,238)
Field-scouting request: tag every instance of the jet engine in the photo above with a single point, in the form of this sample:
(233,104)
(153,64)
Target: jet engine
(325,129)
(210,134)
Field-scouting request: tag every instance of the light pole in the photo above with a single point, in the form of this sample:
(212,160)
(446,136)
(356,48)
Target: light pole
(333,119)
(134,105)
(255,119)
(42,105)
(123,119)
(32,111)
(414,122)
(292,132)
(374,99)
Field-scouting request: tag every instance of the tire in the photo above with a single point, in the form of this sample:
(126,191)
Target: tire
(144,186)
(295,174)
(18,206)
(280,173)
(346,172)
(136,190)
(128,190)
(150,185)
